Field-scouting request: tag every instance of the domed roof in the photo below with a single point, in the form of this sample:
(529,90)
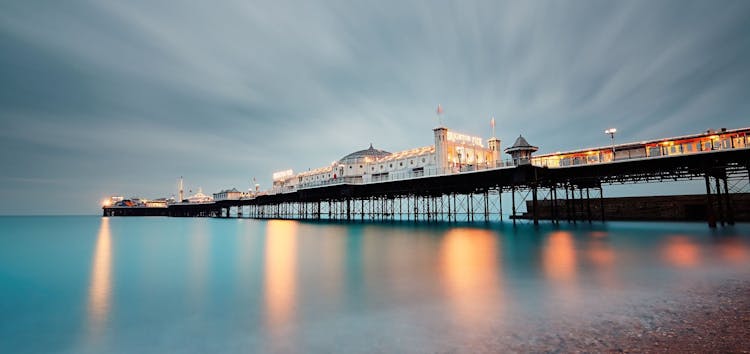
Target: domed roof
(369,152)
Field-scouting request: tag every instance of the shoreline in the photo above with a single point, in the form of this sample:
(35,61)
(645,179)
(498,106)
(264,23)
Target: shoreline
(707,318)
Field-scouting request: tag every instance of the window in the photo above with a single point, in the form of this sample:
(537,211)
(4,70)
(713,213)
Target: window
(391,165)
(350,167)
(423,159)
(401,164)
(360,166)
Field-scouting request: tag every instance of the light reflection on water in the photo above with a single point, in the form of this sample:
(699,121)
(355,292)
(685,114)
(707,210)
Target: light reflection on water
(100,289)
(470,273)
(201,285)
(280,274)
(681,251)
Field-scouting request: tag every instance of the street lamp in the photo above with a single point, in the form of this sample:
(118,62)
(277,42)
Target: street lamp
(611,132)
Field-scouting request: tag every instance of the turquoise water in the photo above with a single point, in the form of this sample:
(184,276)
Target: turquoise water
(141,285)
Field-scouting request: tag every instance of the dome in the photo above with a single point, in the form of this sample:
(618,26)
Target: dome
(370,152)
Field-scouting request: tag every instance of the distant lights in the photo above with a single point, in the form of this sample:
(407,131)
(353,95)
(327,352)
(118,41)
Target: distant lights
(610,131)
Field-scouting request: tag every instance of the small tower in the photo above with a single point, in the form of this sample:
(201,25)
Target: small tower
(181,192)
(521,151)
(441,148)
(494,145)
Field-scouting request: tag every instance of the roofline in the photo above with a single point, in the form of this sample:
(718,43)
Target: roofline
(644,142)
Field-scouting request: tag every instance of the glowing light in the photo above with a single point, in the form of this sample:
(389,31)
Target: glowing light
(463,138)
(106,202)
(610,131)
(282,174)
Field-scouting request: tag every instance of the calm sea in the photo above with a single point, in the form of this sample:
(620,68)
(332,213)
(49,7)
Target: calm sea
(155,285)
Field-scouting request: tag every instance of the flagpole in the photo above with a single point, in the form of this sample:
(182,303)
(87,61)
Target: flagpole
(439,112)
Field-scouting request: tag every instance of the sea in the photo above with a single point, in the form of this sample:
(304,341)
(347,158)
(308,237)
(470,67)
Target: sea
(89,284)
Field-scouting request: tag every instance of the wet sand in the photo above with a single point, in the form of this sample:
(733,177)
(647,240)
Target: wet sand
(710,318)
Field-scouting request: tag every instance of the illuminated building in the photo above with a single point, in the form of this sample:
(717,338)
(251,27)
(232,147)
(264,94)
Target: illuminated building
(707,141)
(452,152)
(228,194)
(199,198)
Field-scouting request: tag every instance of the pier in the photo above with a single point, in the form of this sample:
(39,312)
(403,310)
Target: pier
(564,193)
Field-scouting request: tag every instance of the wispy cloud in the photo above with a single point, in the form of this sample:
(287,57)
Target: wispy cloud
(224,91)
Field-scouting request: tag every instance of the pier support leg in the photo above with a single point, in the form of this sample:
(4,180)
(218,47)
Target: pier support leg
(588,205)
(710,217)
(601,202)
(553,204)
(513,200)
(500,202)
(573,208)
(730,207)
(535,205)
(567,204)
(486,207)
(721,215)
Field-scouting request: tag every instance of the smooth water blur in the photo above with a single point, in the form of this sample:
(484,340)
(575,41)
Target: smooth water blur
(135,285)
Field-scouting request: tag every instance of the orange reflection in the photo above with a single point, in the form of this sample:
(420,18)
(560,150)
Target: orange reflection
(470,269)
(601,254)
(559,257)
(732,250)
(280,272)
(680,251)
(100,289)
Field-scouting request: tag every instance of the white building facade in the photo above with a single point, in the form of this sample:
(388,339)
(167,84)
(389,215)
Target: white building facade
(452,153)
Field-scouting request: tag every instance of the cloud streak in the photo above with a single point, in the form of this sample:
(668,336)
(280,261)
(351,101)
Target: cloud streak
(94,93)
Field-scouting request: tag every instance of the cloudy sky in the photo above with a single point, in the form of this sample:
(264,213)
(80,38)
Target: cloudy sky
(123,97)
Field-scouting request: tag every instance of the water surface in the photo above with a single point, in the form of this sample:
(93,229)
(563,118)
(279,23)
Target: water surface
(127,285)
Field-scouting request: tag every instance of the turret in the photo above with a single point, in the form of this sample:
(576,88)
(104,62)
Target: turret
(494,145)
(441,148)
(521,151)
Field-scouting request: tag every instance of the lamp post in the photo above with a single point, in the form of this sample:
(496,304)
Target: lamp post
(611,132)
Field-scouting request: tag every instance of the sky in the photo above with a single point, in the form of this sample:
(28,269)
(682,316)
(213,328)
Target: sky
(103,98)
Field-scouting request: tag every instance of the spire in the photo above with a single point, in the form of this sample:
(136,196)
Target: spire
(180,190)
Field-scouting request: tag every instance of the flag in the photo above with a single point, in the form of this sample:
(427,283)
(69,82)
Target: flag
(439,109)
